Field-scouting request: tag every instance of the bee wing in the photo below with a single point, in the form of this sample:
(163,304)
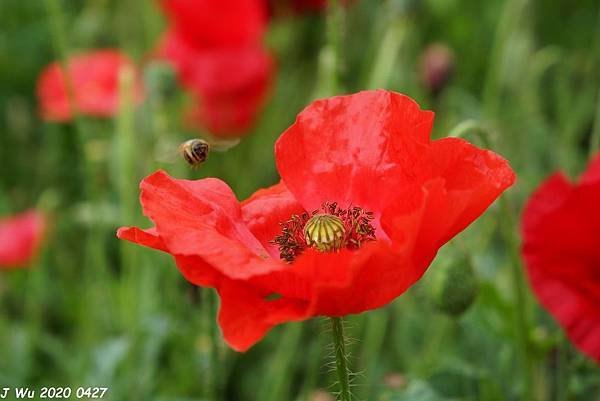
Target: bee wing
(223,145)
(166,151)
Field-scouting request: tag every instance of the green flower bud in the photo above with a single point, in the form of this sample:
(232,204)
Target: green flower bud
(455,288)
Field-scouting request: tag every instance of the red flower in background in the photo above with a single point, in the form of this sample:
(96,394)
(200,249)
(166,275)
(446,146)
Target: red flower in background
(20,238)
(366,199)
(95,80)
(216,49)
(228,85)
(561,247)
(223,23)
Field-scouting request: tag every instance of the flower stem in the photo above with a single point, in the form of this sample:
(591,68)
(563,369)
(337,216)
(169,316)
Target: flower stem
(522,315)
(522,300)
(334,26)
(595,140)
(341,358)
(330,56)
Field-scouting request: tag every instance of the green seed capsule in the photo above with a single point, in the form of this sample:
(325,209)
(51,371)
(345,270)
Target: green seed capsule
(455,288)
(325,233)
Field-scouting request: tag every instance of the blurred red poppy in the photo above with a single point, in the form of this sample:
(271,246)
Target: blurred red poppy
(366,199)
(20,238)
(223,23)
(561,247)
(95,80)
(228,84)
(216,50)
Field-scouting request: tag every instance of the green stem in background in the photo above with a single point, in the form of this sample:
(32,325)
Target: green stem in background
(312,372)
(330,57)
(341,358)
(509,20)
(208,351)
(376,328)
(55,19)
(387,54)
(522,300)
(595,139)
(276,387)
(60,44)
(508,224)
(126,145)
(334,34)
(126,182)
(562,370)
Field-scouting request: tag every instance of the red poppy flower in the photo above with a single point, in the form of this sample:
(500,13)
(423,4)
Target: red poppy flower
(223,23)
(95,80)
(561,237)
(366,199)
(20,237)
(228,84)
(219,61)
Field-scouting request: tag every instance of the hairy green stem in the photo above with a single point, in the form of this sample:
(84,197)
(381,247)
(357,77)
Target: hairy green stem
(341,358)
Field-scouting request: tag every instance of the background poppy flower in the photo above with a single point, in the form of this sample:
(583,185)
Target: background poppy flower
(223,23)
(216,50)
(20,238)
(561,233)
(95,80)
(228,84)
(371,151)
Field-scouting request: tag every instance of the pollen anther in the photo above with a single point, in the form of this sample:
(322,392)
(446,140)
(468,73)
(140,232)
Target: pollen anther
(325,233)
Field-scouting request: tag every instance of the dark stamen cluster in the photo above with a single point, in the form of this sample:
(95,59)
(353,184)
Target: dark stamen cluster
(291,240)
(357,222)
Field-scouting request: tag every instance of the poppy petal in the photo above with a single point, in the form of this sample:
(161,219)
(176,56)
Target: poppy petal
(203,218)
(265,210)
(344,148)
(148,237)
(246,315)
(473,179)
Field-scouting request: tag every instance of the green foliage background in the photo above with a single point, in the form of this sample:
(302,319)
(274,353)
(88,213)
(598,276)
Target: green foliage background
(97,312)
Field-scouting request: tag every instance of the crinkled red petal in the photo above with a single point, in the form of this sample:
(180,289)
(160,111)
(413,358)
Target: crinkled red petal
(360,149)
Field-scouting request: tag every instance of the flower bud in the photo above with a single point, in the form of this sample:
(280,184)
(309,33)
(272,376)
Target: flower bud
(455,288)
(436,67)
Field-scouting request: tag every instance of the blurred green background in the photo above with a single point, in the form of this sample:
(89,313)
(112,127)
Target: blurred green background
(93,311)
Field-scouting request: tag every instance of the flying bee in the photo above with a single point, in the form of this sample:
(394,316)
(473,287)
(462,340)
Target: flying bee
(195,151)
